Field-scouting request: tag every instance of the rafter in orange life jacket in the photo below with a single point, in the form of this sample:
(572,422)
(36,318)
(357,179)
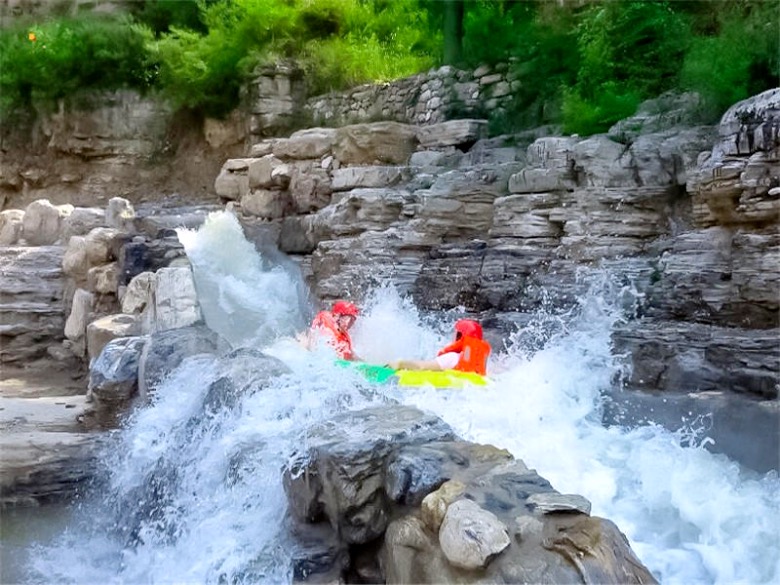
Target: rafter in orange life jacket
(325,324)
(473,354)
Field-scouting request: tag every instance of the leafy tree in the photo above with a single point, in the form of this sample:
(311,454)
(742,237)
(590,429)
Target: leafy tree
(161,15)
(586,63)
(538,40)
(628,51)
(739,58)
(453,31)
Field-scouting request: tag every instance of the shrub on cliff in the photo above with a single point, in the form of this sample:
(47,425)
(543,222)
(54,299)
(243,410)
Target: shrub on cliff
(589,64)
(738,57)
(629,51)
(338,42)
(45,62)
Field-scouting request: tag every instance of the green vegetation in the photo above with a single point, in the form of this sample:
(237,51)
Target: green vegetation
(740,59)
(337,43)
(41,63)
(628,52)
(583,64)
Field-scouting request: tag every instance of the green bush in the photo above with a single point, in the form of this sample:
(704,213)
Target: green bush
(585,64)
(339,63)
(590,116)
(629,51)
(374,41)
(162,15)
(545,64)
(338,43)
(739,59)
(45,62)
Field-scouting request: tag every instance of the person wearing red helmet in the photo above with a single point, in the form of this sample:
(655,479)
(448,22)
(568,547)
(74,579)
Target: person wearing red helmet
(334,326)
(467,353)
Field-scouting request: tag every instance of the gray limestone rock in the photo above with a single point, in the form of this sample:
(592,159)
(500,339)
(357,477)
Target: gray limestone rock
(470,536)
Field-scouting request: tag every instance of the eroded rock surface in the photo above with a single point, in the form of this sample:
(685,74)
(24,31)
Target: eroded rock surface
(434,509)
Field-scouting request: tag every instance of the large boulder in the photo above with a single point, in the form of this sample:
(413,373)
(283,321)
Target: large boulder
(167,349)
(42,222)
(105,329)
(441,510)
(344,481)
(470,536)
(232,183)
(310,143)
(113,380)
(81,221)
(735,181)
(165,299)
(378,143)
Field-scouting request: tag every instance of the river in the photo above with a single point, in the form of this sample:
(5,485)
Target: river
(191,490)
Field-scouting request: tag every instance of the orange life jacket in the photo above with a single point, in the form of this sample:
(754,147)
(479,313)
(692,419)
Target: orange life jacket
(325,323)
(473,354)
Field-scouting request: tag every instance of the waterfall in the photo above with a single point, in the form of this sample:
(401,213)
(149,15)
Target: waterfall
(191,489)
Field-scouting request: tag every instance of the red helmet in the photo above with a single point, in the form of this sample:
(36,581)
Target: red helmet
(468,328)
(345,308)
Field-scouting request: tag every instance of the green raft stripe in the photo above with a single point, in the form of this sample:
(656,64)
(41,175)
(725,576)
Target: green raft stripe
(436,378)
(372,372)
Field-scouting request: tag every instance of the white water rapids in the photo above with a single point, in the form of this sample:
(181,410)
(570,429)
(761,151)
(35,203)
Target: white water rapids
(193,494)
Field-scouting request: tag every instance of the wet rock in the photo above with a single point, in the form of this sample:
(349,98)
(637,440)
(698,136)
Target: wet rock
(434,505)
(552,502)
(344,482)
(244,370)
(364,473)
(599,551)
(165,350)
(113,379)
(470,536)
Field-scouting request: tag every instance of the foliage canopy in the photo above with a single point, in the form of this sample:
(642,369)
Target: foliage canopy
(583,64)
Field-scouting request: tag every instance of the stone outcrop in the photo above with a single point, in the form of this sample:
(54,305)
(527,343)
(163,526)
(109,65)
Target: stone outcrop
(46,455)
(60,309)
(31,301)
(714,289)
(508,224)
(405,501)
